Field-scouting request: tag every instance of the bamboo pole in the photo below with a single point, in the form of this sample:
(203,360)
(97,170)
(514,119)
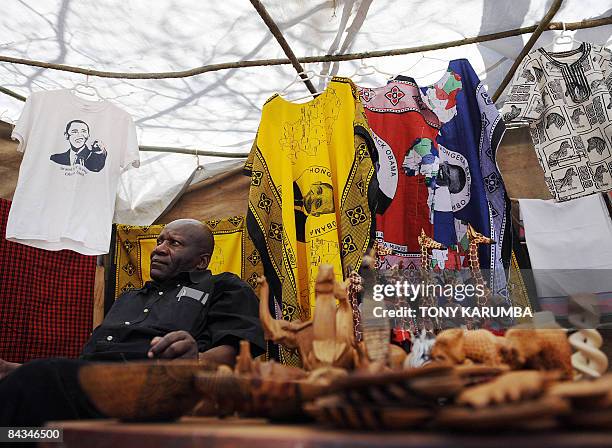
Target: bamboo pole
(278,35)
(528,46)
(592,23)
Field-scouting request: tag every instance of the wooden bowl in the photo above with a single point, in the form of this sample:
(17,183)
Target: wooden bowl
(143,390)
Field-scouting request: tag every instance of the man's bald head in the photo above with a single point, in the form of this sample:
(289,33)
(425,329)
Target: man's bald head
(183,245)
(198,231)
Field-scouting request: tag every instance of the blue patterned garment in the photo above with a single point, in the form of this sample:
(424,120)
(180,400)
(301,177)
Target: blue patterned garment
(469,187)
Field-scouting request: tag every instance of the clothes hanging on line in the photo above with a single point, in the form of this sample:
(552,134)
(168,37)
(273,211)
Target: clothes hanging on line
(566,98)
(468,187)
(74,151)
(404,131)
(312,195)
(46,299)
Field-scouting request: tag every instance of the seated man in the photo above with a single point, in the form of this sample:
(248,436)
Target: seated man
(185,312)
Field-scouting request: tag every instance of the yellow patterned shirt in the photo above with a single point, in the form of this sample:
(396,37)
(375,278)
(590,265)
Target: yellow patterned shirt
(312,194)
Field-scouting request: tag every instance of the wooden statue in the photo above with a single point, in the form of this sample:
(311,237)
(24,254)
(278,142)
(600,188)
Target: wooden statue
(326,340)
(476,239)
(541,349)
(427,244)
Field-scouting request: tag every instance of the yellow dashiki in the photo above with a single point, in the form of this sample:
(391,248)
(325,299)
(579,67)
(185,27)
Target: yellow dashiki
(313,192)
(234,252)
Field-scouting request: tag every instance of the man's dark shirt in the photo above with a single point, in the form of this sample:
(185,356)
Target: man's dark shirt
(215,309)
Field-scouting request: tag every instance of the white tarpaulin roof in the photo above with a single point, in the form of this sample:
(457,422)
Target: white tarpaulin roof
(220,111)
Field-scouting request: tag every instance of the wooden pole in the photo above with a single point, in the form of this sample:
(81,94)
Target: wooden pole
(195,152)
(528,46)
(592,23)
(278,35)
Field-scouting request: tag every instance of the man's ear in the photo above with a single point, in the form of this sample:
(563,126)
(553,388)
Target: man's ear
(204,261)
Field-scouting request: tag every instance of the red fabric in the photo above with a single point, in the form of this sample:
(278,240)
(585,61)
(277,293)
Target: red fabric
(408,212)
(46,299)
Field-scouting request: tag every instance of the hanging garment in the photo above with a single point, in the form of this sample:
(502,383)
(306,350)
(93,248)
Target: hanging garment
(404,131)
(75,150)
(313,192)
(234,252)
(566,98)
(569,254)
(469,187)
(46,300)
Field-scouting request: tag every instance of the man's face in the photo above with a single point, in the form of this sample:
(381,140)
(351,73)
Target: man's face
(319,199)
(176,251)
(77,135)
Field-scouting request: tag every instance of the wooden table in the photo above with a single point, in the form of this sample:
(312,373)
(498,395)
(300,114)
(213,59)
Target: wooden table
(256,433)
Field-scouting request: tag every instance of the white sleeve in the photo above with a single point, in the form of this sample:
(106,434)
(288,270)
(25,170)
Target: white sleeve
(21,132)
(131,153)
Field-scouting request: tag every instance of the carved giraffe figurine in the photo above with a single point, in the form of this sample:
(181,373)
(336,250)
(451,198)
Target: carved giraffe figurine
(476,239)
(380,251)
(427,244)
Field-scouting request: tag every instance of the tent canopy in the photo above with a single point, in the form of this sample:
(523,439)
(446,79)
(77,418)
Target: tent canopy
(219,111)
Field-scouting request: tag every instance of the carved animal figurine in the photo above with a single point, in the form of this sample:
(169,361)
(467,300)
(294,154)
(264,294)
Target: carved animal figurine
(427,244)
(420,352)
(540,349)
(293,335)
(588,360)
(328,339)
(476,239)
(459,346)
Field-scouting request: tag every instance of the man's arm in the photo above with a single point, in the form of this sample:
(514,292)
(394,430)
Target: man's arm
(180,344)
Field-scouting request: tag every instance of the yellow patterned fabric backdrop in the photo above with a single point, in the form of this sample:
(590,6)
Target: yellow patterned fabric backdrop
(234,252)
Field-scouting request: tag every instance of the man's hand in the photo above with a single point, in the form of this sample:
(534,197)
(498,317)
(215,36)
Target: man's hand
(177,344)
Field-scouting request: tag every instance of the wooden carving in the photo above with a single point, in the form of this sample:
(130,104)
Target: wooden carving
(541,349)
(328,339)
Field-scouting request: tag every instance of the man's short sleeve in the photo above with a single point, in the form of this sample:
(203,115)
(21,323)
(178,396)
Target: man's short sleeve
(525,101)
(21,132)
(233,316)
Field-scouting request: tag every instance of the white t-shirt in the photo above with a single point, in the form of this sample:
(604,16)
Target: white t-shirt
(75,150)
